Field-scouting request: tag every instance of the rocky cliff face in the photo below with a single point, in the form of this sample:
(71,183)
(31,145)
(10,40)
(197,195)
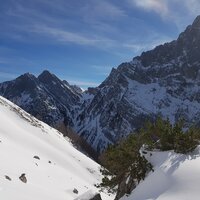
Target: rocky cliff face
(45,97)
(164,81)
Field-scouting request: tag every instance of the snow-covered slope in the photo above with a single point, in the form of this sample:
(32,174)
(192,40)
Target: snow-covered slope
(54,173)
(176,177)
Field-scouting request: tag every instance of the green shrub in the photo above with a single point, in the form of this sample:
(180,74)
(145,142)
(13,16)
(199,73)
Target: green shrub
(124,160)
(164,136)
(185,142)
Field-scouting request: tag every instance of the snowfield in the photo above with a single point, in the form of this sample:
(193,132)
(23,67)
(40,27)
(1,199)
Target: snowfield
(176,177)
(58,171)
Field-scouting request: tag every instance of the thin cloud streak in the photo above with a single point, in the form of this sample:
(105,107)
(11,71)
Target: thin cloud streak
(193,7)
(97,32)
(68,36)
(170,10)
(83,83)
(152,43)
(105,44)
(39,24)
(98,10)
(158,6)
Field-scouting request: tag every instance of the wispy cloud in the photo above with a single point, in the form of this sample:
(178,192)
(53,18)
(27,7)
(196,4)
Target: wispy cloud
(68,36)
(148,45)
(171,10)
(63,36)
(109,9)
(88,18)
(158,6)
(178,10)
(103,9)
(100,24)
(193,6)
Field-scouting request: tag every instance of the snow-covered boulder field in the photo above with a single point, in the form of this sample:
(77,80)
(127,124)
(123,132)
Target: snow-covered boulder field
(176,177)
(38,163)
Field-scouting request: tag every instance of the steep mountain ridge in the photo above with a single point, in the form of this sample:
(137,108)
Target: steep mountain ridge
(45,97)
(164,81)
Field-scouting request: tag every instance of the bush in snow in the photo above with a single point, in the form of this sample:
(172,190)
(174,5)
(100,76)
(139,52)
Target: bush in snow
(124,166)
(164,136)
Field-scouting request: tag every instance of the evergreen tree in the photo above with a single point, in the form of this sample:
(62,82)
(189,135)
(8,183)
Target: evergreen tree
(185,142)
(125,161)
(122,161)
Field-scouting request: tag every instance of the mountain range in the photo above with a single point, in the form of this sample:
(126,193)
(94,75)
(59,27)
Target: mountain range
(37,162)
(164,81)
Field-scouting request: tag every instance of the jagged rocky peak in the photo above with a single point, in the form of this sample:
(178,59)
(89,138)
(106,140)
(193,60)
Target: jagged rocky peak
(74,88)
(191,36)
(46,73)
(196,23)
(46,76)
(66,83)
(26,76)
(53,82)
(116,76)
(92,90)
(46,97)
(25,82)
(187,45)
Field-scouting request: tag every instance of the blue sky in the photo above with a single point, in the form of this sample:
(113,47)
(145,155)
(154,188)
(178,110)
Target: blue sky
(81,40)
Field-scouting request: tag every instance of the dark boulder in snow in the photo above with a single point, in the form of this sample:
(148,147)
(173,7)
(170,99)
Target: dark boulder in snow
(37,157)
(8,178)
(23,178)
(75,191)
